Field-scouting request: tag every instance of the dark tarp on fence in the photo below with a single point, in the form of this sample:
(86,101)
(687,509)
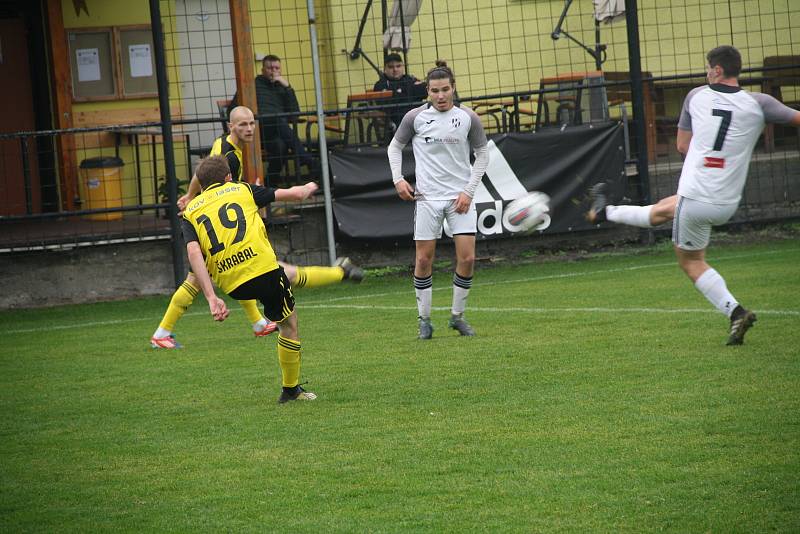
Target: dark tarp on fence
(561,163)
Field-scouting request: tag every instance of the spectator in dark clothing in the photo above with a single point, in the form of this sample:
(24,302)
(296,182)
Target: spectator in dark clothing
(278,139)
(406,89)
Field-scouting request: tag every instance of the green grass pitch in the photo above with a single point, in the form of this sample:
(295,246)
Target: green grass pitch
(598,396)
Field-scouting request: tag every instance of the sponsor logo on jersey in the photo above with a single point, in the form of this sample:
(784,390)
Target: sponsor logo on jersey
(442,140)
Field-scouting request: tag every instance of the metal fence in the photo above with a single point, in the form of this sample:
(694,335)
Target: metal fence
(522,66)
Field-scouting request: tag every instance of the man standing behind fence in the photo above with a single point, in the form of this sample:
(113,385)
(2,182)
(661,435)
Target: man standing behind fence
(274,95)
(442,135)
(405,88)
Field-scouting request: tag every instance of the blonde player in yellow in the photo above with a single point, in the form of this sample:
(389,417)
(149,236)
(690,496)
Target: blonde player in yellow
(226,241)
(242,129)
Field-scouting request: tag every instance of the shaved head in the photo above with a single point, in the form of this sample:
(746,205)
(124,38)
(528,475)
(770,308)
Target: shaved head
(241,113)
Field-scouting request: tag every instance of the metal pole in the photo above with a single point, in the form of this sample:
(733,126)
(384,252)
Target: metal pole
(385,24)
(26,175)
(323,143)
(166,134)
(403,31)
(598,51)
(637,93)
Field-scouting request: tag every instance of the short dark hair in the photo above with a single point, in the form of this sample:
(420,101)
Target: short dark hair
(272,58)
(392,58)
(212,170)
(440,72)
(726,57)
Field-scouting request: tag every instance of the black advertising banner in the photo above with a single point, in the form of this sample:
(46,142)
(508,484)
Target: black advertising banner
(560,163)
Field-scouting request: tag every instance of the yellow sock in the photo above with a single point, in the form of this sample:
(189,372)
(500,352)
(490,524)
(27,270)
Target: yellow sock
(317,276)
(289,359)
(178,304)
(251,310)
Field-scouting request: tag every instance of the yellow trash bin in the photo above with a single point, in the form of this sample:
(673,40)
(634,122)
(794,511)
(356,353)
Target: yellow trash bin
(101,179)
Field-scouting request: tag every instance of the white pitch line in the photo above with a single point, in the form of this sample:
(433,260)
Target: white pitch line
(324,304)
(472,309)
(548,277)
(519,309)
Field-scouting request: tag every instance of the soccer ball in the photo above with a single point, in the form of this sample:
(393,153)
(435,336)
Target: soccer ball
(528,213)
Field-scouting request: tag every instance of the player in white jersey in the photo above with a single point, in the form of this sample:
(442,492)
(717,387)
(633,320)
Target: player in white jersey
(741,146)
(718,129)
(442,135)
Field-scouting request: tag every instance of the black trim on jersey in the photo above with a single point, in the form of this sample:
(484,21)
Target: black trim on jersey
(722,88)
(229,151)
(189,233)
(262,195)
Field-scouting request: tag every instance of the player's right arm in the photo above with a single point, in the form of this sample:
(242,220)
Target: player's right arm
(683,141)
(219,311)
(401,138)
(684,137)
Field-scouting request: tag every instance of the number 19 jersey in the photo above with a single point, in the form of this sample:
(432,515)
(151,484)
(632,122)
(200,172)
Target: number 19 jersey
(225,221)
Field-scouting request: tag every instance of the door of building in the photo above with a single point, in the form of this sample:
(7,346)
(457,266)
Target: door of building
(20,191)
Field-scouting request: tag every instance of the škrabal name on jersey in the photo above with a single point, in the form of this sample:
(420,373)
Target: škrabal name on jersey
(240,257)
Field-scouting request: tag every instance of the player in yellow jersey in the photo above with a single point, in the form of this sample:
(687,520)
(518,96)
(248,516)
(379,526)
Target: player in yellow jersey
(242,129)
(226,241)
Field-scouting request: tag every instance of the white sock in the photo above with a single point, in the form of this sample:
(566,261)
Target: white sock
(713,287)
(423,288)
(259,326)
(630,215)
(161,332)
(461,287)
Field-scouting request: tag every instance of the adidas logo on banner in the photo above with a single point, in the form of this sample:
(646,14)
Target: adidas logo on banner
(507,185)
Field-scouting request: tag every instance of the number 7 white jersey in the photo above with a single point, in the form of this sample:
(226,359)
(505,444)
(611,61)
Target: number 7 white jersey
(725,122)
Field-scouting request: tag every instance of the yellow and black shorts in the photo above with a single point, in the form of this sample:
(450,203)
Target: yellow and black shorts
(273,290)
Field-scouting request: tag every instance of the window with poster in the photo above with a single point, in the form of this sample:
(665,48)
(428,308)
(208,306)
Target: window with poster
(112,63)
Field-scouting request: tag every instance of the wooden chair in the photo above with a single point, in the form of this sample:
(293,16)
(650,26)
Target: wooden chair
(371,125)
(774,80)
(621,95)
(564,106)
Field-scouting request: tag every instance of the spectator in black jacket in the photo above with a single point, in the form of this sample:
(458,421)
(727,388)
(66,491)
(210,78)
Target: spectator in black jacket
(278,138)
(406,89)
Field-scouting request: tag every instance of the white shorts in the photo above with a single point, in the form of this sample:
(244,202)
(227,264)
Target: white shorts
(691,228)
(429,216)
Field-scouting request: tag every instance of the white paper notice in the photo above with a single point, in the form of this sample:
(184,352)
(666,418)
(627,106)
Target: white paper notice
(141,61)
(88,64)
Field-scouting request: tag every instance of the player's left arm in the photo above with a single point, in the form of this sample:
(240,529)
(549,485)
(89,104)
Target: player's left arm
(193,191)
(479,145)
(296,193)
(775,111)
